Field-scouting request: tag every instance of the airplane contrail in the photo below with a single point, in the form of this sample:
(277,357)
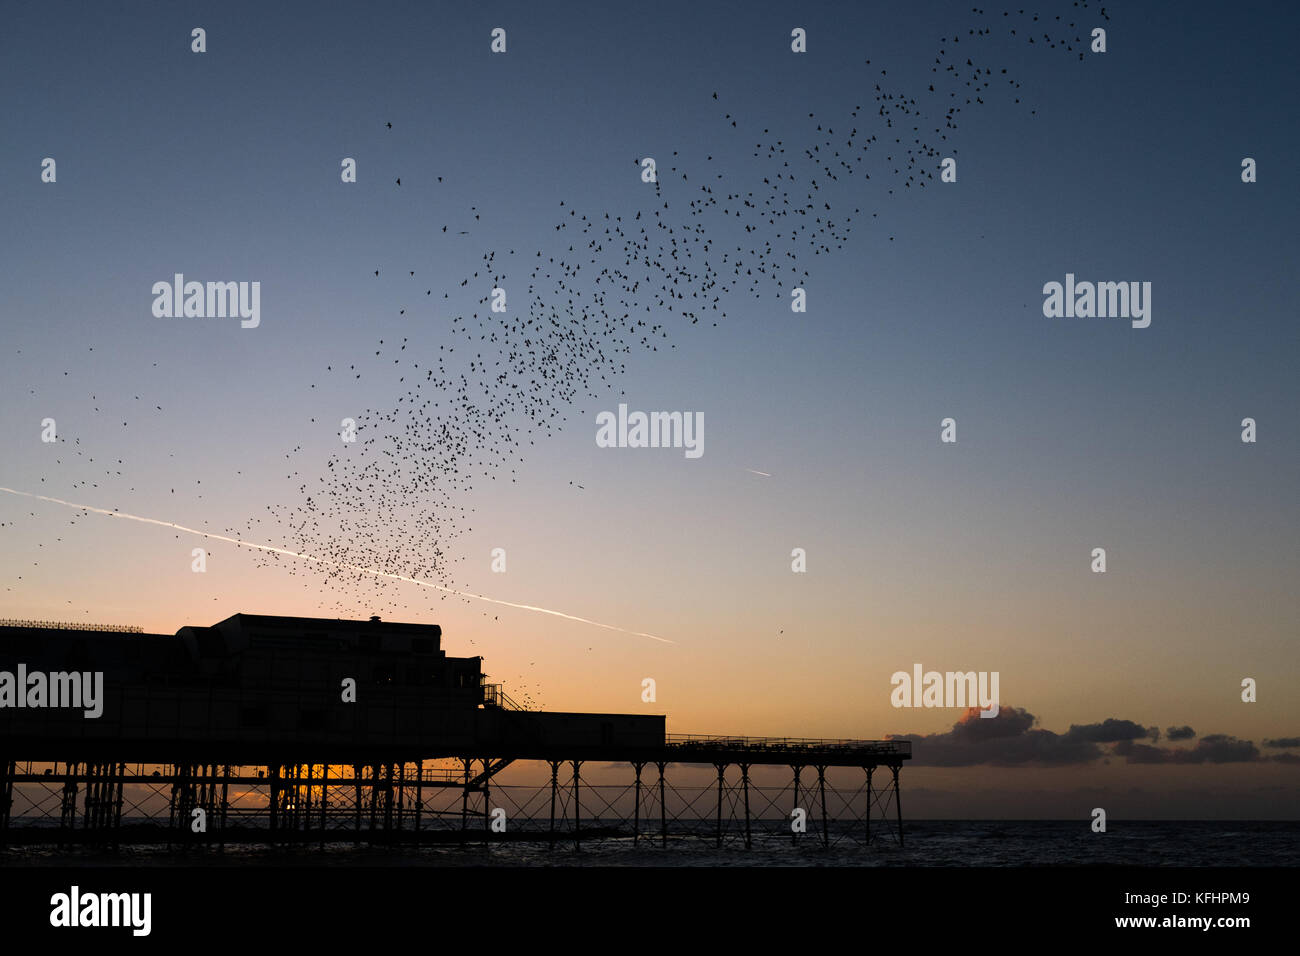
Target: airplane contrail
(337,564)
(753,472)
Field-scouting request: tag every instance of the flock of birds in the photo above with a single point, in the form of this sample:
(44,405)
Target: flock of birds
(617,282)
(609,283)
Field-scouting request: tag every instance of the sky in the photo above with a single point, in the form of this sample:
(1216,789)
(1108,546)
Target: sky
(1072,433)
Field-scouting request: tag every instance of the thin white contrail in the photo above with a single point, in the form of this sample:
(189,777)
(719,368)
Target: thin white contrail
(336,564)
(753,472)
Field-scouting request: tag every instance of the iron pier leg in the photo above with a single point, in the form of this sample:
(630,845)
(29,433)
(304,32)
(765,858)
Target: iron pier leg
(898,805)
(188,784)
(374,796)
(722,767)
(104,776)
(68,822)
(401,797)
(225,800)
(324,799)
(310,803)
(171,805)
(576,806)
(821,786)
(794,835)
(273,775)
(487,801)
(636,818)
(871,802)
(388,801)
(194,799)
(464,803)
(302,797)
(663,810)
(92,782)
(555,786)
(419,797)
(103,800)
(197,796)
(744,781)
(117,804)
(284,786)
(211,799)
(356,804)
(356,807)
(205,796)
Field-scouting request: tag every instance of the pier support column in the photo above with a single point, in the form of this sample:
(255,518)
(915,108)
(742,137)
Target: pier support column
(464,801)
(113,799)
(88,821)
(273,797)
(555,789)
(199,798)
(302,797)
(283,798)
(108,800)
(117,802)
(324,799)
(871,801)
(744,782)
(821,788)
(636,818)
(189,799)
(225,801)
(68,819)
(283,782)
(797,770)
(487,800)
(898,806)
(196,797)
(722,770)
(388,801)
(104,797)
(356,807)
(115,796)
(577,805)
(419,797)
(174,804)
(401,798)
(663,807)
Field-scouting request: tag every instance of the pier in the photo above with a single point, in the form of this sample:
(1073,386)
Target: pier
(238,734)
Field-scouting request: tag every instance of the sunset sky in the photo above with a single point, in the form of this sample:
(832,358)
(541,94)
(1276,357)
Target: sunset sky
(1073,434)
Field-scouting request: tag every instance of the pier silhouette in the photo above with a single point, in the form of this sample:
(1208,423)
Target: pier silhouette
(302,730)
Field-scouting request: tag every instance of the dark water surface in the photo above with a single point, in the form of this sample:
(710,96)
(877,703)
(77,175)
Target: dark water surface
(932,843)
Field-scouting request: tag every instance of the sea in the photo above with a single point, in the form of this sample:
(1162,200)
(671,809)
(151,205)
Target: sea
(926,843)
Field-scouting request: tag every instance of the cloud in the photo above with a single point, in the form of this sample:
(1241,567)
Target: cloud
(1111,730)
(1013,739)
(1007,740)
(1213,748)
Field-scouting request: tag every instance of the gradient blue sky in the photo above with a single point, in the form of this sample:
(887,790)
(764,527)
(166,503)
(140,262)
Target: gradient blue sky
(1073,433)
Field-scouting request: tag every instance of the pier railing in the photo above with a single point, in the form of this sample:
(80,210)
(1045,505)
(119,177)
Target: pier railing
(697,742)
